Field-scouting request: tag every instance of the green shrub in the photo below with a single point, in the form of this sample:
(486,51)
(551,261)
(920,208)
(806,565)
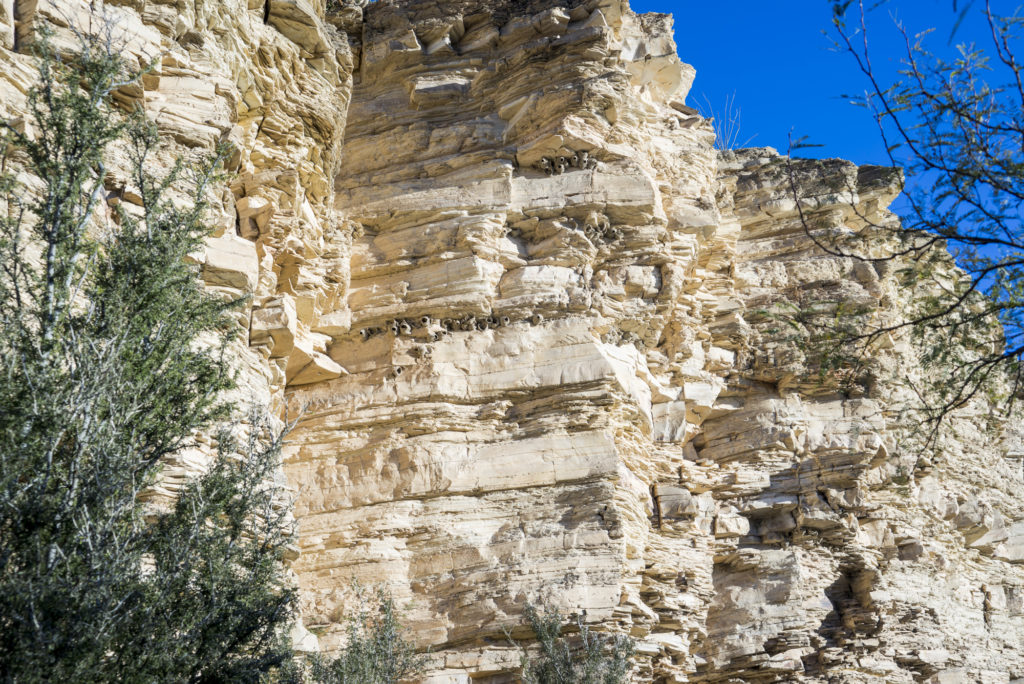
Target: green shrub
(101,380)
(587,657)
(376,650)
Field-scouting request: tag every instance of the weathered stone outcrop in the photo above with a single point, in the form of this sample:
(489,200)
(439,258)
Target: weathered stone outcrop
(517,299)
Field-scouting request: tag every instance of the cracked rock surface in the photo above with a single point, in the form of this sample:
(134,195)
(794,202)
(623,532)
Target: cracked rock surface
(517,299)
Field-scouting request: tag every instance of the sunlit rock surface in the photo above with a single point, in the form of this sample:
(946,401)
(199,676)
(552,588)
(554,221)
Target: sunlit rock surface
(517,302)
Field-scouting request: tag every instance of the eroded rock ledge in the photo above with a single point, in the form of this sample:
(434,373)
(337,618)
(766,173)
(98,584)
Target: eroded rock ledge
(517,296)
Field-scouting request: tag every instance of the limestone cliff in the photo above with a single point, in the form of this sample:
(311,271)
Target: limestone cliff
(516,297)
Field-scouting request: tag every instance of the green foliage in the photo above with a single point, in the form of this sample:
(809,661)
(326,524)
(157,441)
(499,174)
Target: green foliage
(103,378)
(953,126)
(375,652)
(587,657)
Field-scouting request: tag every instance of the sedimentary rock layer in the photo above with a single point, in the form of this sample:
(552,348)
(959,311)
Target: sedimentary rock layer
(518,302)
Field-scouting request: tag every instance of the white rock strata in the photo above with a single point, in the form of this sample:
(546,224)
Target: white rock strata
(582,402)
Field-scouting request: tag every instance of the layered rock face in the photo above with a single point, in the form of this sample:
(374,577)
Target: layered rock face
(517,301)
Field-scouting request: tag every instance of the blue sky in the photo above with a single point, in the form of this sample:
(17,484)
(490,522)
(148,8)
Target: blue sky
(773,56)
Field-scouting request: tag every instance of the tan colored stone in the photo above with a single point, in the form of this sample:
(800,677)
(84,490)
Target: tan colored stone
(230,261)
(275,323)
(254,213)
(580,402)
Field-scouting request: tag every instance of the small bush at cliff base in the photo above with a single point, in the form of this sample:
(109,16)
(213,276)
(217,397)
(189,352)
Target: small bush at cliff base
(588,657)
(375,652)
(101,381)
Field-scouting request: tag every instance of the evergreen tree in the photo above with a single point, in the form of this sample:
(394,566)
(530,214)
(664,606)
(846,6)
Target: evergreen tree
(102,377)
